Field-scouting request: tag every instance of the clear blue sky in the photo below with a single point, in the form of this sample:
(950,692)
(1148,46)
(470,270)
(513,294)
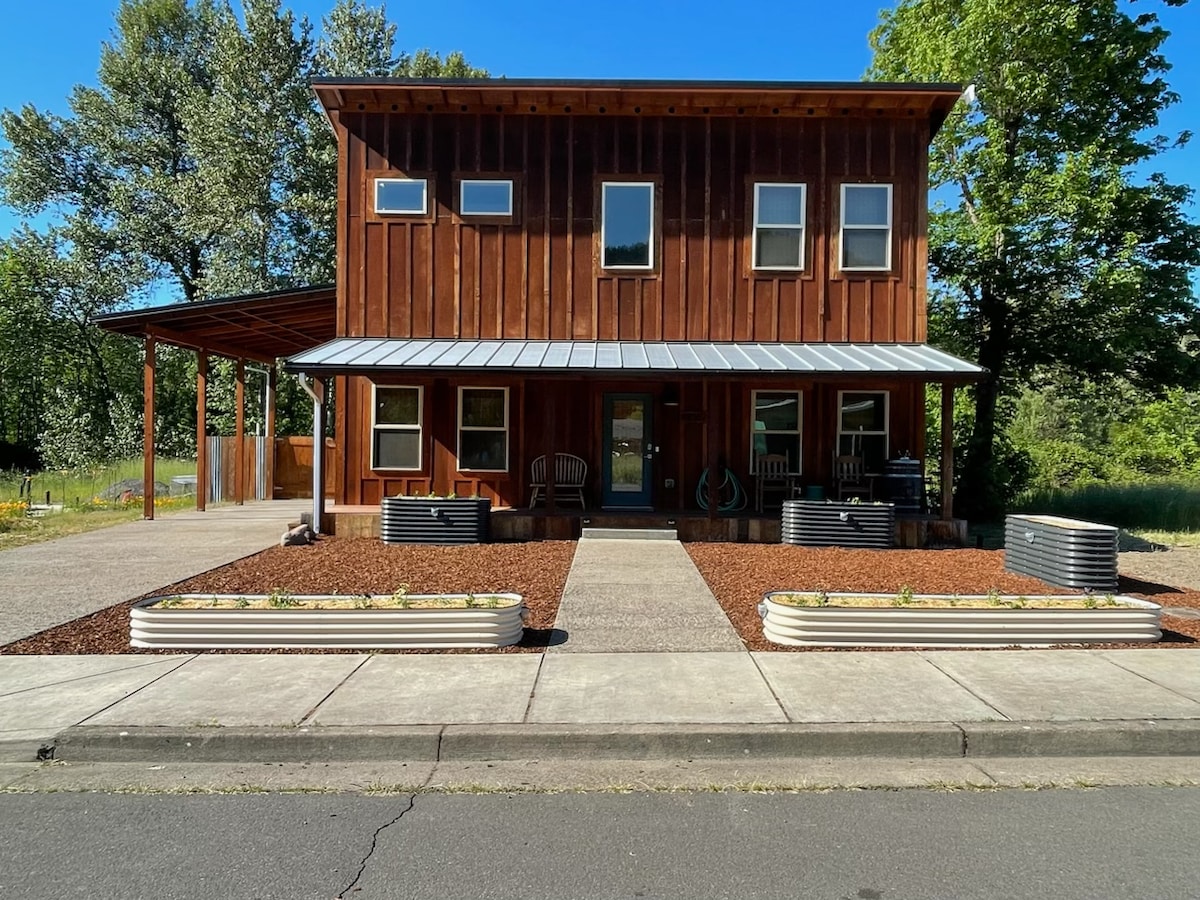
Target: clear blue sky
(47,47)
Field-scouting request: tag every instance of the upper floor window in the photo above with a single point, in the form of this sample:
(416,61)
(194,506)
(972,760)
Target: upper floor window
(866,227)
(396,428)
(401,196)
(627,225)
(778,237)
(490,197)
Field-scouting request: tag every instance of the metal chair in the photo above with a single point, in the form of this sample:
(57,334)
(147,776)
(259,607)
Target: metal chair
(770,473)
(849,479)
(570,474)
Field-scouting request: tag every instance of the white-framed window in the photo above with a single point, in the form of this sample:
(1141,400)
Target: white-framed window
(485,197)
(627,225)
(866,239)
(776,419)
(863,427)
(483,429)
(396,414)
(778,236)
(402,196)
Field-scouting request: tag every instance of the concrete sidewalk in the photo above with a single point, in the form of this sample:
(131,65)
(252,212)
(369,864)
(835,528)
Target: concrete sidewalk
(114,564)
(296,708)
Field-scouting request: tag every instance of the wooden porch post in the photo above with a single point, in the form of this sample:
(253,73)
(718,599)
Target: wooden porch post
(318,394)
(239,434)
(148,378)
(947,476)
(201,429)
(552,447)
(269,450)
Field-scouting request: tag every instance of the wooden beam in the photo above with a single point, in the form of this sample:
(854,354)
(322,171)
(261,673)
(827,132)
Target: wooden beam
(201,429)
(551,424)
(947,474)
(180,339)
(269,412)
(239,433)
(712,430)
(148,378)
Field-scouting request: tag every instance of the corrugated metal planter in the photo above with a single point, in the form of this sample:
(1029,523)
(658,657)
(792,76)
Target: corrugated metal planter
(433,520)
(1066,552)
(1129,620)
(155,626)
(823,523)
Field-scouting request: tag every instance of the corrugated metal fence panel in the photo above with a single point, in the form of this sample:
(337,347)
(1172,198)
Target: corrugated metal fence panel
(1066,552)
(221,473)
(815,523)
(215,476)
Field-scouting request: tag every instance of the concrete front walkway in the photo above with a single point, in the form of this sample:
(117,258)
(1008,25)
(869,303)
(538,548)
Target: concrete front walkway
(638,596)
(46,584)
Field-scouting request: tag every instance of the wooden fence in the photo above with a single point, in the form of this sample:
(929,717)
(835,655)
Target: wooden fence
(286,476)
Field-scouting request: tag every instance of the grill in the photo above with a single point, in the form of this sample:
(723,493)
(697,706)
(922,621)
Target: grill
(1066,552)
(813,523)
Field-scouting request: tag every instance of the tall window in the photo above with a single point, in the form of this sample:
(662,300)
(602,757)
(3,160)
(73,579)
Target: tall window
(627,225)
(863,427)
(866,227)
(483,429)
(490,197)
(775,427)
(396,428)
(778,226)
(401,196)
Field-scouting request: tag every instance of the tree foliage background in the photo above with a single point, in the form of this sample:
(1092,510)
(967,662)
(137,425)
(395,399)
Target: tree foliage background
(198,166)
(1057,262)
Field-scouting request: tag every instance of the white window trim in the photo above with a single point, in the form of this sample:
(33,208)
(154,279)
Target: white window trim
(604,185)
(423,211)
(798,468)
(801,227)
(462,206)
(887,267)
(462,428)
(419,428)
(887,420)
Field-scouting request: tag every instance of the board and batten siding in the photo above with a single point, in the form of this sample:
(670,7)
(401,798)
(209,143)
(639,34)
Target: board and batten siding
(539,277)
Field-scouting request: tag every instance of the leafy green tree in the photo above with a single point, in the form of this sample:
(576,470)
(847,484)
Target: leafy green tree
(1052,256)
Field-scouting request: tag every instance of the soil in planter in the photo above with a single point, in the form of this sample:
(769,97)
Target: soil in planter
(739,575)
(536,570)
(382,601)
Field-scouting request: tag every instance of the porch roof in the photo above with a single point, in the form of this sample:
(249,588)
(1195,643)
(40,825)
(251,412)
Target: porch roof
(363,356)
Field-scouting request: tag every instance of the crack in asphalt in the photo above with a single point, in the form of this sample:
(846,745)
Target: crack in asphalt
(362,867)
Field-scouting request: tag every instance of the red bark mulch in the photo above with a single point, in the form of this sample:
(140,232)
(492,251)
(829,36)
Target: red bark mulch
(739,575)
(537,571)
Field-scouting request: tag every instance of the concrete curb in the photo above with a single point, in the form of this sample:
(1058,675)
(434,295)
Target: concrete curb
(473,743)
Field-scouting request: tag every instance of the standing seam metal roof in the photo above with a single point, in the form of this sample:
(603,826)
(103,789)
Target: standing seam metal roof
(349,354)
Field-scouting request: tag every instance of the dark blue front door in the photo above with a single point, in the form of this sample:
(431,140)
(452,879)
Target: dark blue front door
(628,460)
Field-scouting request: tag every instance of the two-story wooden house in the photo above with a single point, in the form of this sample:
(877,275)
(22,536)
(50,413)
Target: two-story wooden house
(662,279)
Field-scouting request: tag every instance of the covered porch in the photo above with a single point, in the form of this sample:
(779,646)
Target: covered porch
(644,422)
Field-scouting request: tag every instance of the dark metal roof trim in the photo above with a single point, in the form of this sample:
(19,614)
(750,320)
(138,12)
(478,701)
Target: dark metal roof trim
(642,84)
(214,305)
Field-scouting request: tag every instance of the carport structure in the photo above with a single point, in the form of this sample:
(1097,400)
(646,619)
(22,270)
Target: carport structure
(260,328)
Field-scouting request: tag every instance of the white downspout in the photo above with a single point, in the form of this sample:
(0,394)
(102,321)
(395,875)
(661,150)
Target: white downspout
(316,390)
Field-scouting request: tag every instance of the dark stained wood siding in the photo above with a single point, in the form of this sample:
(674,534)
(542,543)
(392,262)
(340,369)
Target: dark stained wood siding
(539,277)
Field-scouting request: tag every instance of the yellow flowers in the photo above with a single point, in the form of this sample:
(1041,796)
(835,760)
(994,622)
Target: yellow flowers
(12,508)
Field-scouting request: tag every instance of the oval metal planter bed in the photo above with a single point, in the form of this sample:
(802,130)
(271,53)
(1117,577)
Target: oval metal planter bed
(987,624)
(476,626)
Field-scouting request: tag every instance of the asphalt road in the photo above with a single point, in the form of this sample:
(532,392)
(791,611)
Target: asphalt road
(870,845)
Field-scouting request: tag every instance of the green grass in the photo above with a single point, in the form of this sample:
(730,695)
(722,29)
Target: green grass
(78,493)
(1160,506)
(78,488)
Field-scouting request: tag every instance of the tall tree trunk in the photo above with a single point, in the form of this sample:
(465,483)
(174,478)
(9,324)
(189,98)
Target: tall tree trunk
(980,493)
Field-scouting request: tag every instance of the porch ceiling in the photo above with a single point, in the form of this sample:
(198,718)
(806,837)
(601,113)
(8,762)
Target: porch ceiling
(363,356)
(262,327)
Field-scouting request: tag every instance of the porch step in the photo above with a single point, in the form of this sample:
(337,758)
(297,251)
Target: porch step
(629,534)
